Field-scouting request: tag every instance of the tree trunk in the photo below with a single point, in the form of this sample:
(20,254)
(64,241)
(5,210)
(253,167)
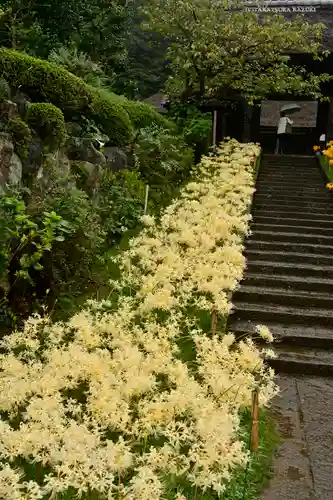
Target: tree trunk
(248,110)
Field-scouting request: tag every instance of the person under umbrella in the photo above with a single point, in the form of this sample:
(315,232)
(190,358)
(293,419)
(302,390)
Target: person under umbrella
(285,128)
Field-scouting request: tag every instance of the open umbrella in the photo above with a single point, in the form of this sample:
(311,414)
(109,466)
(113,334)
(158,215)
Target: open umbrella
(290,108)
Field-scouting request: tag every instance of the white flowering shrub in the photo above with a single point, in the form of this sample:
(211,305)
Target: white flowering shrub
(107,405)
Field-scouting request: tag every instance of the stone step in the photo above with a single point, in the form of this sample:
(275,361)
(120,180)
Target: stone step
(278,212)
(270,188)
(295,166)
(288,160)
(290,359)
(294,182)
(289,228)
(285,246)
(296,197)
(295,207)
(290,269)
(284,168)
(290,157)
(290,283)
(275,185)
(293,179)
(279,296)
(276,256)
(289,165)
(293,203)
(301,336)
(263,313)
(300,176)
(291,237)
(281,220)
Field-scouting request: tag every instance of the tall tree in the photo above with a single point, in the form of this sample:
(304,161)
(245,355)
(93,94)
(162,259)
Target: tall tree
(146,68)
(215,49)
(98,28)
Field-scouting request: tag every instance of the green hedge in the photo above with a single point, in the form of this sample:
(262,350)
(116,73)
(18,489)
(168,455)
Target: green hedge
(141,114)
(21,137)
(46,82)
(48,121)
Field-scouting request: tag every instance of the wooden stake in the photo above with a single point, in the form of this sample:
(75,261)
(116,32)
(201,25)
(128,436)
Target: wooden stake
(214,127)
(146,200)
(255,420)
(214,322)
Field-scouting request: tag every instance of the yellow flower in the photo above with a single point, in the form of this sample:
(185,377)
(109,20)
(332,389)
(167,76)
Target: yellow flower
(316,148)
(331,162)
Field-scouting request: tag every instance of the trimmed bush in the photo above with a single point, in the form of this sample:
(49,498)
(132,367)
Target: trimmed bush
(21,136)
(111,117)
(48,122)
(44,81)
(143,115)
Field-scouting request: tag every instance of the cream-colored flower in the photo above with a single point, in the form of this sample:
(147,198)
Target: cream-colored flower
(106,400)
(264,333)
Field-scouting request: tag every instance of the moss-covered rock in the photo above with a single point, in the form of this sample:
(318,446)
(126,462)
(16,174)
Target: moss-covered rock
(21,137)
(48,122)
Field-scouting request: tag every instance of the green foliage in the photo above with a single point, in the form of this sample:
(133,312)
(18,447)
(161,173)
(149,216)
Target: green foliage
(44,81)
(4,90)
(73,257)
(121,202)
(16,225)
(48,122)
(198,129)
(21,137)
(214,50)
(109,114)
(79,64)
(24,243)
(195,126)
(96,27)
(93,35)
(164,161)
(143,115)
(18,27)
(145,70)
(327,168)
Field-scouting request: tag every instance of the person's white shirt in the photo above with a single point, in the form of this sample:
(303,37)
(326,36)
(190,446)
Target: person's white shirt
(322,138)
(283,123)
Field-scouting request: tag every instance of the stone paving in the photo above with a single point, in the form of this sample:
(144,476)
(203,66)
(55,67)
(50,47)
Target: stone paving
(303,467)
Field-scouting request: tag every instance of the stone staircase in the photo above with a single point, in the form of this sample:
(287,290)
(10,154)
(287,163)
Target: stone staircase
(288,284)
